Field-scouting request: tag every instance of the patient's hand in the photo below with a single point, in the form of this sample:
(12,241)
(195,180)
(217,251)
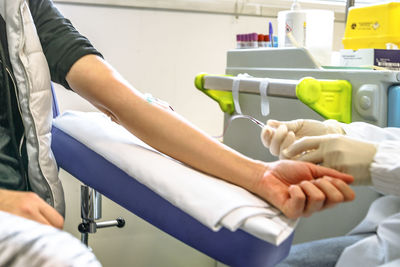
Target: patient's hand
(301,188)
(29,205)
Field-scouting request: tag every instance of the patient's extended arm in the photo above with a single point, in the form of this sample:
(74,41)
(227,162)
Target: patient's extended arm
(94,79)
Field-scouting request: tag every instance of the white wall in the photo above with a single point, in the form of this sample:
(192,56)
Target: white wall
(159,52)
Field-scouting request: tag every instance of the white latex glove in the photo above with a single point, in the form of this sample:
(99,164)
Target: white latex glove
(336,151)
(278,135)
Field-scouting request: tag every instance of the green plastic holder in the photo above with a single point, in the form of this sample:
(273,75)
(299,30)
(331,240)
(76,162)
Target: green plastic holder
(224,99)
(330,98)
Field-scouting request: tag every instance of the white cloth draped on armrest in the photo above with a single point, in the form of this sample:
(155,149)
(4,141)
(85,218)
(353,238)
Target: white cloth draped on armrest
(213,202)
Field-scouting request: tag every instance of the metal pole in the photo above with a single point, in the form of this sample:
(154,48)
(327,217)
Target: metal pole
(90,203)
(90,212)
(349,3)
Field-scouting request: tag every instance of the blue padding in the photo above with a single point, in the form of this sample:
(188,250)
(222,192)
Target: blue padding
(232,248)
(394,106)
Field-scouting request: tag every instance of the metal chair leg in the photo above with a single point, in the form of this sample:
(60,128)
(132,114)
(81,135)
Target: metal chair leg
(91,211)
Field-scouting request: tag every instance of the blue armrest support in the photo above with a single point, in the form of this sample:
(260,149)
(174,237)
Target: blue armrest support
(232,248)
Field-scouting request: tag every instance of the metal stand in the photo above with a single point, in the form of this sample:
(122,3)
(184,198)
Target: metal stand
(349,3)
(91,211)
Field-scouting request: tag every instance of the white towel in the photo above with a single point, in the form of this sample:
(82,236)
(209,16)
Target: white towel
(25,242)
(212,201)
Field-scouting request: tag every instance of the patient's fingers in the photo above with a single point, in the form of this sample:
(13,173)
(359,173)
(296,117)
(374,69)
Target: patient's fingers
(42,219)
(52,216)
(332,193)
(295,204)
(320,171)
(315,198)
(344,188)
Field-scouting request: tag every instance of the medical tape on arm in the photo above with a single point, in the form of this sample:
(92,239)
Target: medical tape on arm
(235,94)
(264,97)
(153,100)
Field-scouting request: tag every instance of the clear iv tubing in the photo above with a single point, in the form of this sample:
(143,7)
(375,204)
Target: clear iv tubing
(240,116)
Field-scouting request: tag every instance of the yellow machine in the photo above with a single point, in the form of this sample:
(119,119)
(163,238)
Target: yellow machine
(373,26)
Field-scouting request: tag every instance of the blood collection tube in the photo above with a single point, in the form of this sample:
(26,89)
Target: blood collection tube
(254,40)
(238,41)
(266,41)
(261,40)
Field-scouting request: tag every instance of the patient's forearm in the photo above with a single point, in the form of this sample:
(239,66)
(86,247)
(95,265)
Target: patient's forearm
(287,185)
(164,130)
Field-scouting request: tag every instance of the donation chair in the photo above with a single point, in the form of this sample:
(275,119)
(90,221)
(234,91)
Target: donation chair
(100,176)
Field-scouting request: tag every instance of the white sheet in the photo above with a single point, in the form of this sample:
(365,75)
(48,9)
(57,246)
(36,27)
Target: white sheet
(213,202)
(25,242)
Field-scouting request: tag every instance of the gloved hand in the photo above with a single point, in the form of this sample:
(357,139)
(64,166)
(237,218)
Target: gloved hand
(336,151)
(278,135)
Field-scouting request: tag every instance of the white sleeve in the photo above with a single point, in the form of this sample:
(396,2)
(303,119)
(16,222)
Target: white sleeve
(393,263)
(385,169)
(372,133)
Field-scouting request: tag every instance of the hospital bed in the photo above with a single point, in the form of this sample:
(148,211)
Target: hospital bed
(369,95)
(100,174)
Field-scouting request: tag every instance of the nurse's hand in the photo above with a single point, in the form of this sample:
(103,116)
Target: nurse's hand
(278,135)
(339,152)
(30,206)
(302,188)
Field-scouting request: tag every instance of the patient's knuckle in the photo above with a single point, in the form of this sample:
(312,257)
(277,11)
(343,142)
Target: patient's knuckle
(317,197)
(301,198)
(292,214)
(59,222)
(32,197)
(26,208)
(351,196)
(337,198)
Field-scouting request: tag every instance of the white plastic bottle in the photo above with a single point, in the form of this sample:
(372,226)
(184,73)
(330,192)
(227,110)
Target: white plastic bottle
(312,29)
(292,21)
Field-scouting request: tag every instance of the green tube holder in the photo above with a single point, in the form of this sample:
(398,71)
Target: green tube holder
(224,98)
(329,98)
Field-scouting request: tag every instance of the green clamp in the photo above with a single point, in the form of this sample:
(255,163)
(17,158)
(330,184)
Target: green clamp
(224,98)
(331,98)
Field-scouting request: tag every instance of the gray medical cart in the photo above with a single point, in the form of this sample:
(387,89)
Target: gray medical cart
(370,89)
